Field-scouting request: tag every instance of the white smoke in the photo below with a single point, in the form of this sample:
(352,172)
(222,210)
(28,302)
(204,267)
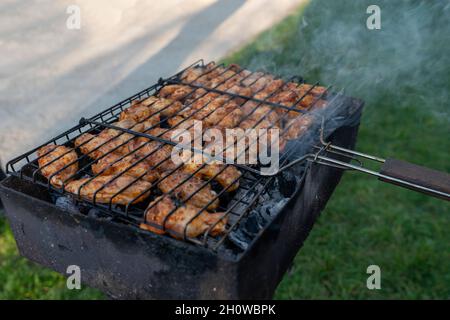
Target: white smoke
(406,62)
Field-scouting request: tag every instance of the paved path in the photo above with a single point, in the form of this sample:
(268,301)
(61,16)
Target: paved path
(50,76)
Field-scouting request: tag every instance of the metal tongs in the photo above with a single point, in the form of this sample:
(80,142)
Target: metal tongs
(398,172)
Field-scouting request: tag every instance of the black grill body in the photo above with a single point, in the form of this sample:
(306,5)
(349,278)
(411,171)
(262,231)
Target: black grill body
(128,263)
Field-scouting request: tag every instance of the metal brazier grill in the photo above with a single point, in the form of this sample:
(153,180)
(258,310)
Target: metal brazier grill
(251,183)
(267,218)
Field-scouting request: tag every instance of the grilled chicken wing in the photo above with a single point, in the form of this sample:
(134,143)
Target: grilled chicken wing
(107,140)
(194,73)
(240,91)
(163,212)
(314,90)
(297,126)
(52,162)
(274,91)
(139,112)
(191,124)
(227,116)
(302,96)
(156,154)
(114,164)
(264,133)
(213,76)
(183,186)
(214,110)
(285,97)
(270,88)
(110,188)
(255,112)
(251,79)
(232,119)
(234,82)
(162,106)
(203,73)
(226,175)
(162,133)
(200,108)
(261,84)
(191,74)
(216,76)
(175,92)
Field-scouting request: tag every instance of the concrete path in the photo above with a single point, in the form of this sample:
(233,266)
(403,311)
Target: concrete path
(50,75)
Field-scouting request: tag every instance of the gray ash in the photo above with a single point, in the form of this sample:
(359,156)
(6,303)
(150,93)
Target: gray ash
(269,204)
(67,204)
(98,214)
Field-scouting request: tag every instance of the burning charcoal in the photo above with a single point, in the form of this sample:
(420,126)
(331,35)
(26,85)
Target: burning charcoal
(252,225)
(66,204)
(84,209)
(239,239)
(272,209)
(286,183)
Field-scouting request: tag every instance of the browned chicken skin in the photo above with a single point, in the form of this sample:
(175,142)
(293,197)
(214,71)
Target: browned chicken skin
(227,116)
(192,74)
(232,119)
(214,110)
(205,73)
(317,90)
(135,112)
(52,160)
(208,170)
(163,212)
(112,164)
(203,105)
(156,154)
(297,126)
(179,124)
(108,140)
(111,187)
(214,76)
(165,107)
(175,183)
(226,175)
(175,92)
(303,96)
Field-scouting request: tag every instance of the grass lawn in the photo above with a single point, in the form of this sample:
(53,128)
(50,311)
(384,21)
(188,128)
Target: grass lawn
(403,73)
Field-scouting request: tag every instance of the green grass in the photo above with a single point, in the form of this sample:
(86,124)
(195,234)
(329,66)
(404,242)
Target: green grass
(22,279)
(403,73)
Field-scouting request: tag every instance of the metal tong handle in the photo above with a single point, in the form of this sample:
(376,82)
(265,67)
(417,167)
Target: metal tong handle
(401,173)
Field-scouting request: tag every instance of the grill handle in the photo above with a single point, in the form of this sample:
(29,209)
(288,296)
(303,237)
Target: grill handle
(419,178)
(400,173)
